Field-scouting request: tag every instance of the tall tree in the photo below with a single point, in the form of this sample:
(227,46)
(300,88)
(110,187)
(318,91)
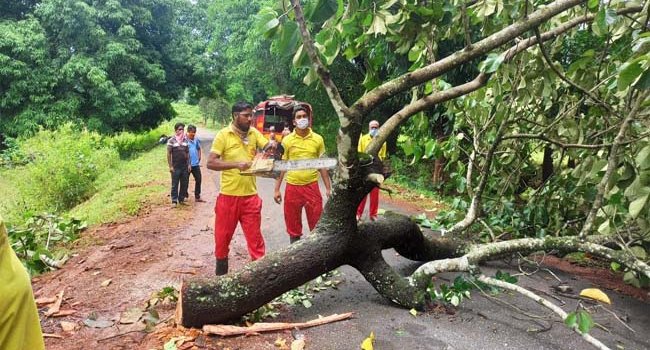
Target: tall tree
(501,112)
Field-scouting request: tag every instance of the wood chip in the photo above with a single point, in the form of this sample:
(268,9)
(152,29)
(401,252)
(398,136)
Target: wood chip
(68,326)
(63,313)
(227,330)
(56,306)
(45,300)
(51,335)
(185,272)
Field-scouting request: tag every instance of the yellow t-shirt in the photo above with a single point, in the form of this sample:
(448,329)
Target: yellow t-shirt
(296,147)
(364,141)
(231,148)
(19,325)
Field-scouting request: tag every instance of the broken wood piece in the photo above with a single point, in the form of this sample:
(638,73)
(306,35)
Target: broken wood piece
(68,326)
(45,300)
(56,306)
(51,335)
(185,272)
(63,313)
(227,330)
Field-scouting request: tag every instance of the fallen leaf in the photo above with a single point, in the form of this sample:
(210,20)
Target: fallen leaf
(106,283)
(298,344)
(99,323)
(281,343)
(413,312)
(131,316)
(595,294)
(96,273)
(367,343)
(68,326)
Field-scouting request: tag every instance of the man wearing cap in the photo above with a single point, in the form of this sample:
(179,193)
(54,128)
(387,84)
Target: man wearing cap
(302,189)
(232,151)
(364,141)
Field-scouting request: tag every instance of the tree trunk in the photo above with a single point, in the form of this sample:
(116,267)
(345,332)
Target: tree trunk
(547,164)
(336,241)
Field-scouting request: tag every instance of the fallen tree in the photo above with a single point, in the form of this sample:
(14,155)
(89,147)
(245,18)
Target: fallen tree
(497,126)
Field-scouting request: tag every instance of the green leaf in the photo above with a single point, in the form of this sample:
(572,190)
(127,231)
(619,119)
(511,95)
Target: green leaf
(642,159)
(585,322)
(593,4)
(615,266)
(413,312)
(637,205)
(639,252)
(571,319)
(630,278)
(629,72)
(491,63)
(455,300)
(306,303)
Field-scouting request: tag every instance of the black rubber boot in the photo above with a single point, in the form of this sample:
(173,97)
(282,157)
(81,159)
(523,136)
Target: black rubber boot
(293,239)
(222,267)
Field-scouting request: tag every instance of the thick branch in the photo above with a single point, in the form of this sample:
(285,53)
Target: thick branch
(429,101)
(612,163)
(321,70)
(547,304)
(370,100)
(475,206)
(488,251)
(569,145)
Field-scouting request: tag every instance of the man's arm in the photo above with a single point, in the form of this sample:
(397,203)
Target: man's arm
(325,175)
(169,158)
(198,149)
(278,182)
(189,161)
(216,163)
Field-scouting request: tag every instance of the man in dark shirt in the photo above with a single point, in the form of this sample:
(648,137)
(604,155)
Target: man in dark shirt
(178,159)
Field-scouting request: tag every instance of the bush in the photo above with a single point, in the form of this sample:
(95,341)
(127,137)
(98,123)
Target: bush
(128,144)
(65,165)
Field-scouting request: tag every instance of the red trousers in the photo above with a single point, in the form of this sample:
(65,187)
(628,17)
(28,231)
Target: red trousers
(295,198)
(230,210)
(374,204)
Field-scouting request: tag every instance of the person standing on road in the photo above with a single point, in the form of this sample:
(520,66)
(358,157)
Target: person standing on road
(302,189)
(178,159)
(195,160)
(20,328)
(232,151)
(364,141)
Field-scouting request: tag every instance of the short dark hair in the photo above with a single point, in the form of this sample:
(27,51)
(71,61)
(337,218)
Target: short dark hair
(178,125)
(191,128)
(240,106)
(297,109)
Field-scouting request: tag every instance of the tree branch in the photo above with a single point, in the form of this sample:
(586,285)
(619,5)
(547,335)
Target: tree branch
(442,96)
(319,67)
(547,304)
(371,99)
(557,72)
(569,145)
(612,163)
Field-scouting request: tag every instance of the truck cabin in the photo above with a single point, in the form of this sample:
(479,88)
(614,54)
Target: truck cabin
(273,115)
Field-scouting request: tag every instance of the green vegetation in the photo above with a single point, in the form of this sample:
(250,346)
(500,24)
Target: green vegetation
(67,179)
(107,66)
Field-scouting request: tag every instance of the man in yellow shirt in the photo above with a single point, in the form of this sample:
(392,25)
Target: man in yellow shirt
(302,189)
(364,141)
(232,151)
(20,328)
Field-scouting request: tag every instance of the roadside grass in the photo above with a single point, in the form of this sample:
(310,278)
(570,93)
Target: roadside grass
(9,200)
(126,189)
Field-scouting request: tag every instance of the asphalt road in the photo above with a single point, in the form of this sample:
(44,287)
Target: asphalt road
(478,323)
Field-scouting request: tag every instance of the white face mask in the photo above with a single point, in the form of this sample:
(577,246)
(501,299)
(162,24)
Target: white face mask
(302,123)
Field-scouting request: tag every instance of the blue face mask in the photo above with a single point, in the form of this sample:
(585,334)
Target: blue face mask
(373,132)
